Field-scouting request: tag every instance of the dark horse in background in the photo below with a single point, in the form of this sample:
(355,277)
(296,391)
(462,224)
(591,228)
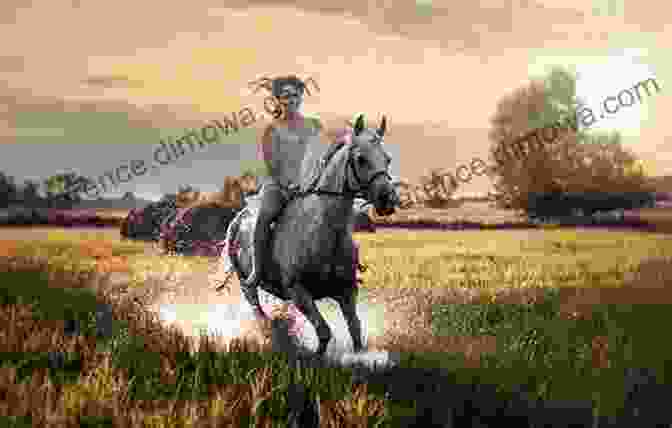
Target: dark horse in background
(312,253)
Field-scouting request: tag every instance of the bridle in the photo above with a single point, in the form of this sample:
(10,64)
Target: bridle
(347,192)
(363,188)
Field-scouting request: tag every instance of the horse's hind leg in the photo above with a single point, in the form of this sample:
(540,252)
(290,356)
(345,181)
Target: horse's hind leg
(305,303)
(348,303)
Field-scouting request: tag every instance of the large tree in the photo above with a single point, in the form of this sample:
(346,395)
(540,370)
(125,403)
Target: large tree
(67,186)
(56,185)
(540,144)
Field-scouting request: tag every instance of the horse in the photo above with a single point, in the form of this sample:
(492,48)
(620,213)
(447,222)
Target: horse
(312,251)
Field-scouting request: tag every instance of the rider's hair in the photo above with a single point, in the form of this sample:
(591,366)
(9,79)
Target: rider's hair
(274,85)
(280,82)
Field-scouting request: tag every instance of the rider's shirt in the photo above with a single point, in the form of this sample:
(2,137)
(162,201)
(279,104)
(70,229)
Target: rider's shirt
(284,146)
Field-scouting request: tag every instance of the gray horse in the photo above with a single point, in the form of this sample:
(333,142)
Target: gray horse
(312,252)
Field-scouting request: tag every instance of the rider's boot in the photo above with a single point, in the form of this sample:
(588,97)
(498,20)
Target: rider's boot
(260,243)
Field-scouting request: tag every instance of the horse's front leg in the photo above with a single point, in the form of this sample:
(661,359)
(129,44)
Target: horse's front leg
(305,303)
(348,303)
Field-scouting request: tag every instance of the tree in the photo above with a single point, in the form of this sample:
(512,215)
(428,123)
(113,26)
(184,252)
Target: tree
(67,186)
(187,194)
(31,192)
(539,147)
(8,189)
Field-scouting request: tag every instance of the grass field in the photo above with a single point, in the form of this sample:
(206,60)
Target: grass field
(563,311)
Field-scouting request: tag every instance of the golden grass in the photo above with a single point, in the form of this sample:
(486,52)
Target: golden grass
(414,272)
(410,272)
(102,389)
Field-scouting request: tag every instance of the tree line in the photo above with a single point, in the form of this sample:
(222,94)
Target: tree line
(46,193)
(53,191)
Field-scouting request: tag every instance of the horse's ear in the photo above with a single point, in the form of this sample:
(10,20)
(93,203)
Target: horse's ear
(359,124)
(383,126)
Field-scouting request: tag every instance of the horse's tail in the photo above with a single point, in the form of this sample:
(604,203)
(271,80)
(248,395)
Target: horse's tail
(231,264)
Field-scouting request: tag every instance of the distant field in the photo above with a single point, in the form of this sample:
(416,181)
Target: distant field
(475,213)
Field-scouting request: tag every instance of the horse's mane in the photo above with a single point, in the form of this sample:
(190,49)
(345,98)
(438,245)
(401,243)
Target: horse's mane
(339,140)
(342,138)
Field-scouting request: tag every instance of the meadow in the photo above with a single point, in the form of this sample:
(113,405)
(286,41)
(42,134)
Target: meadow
(558,313)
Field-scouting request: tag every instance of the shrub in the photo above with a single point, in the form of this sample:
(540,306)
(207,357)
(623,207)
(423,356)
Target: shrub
(198,230)
(555,204)
(146,223)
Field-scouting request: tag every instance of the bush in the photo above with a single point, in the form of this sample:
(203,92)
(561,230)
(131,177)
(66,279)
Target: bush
(556,204)
(548,205)
(198,230)
(146,223)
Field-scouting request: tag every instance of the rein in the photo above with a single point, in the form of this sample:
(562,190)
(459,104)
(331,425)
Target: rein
(346,193)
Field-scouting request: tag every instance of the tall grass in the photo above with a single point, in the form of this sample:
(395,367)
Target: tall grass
(547,310)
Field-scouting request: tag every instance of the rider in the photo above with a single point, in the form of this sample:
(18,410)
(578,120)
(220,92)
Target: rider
(282,149)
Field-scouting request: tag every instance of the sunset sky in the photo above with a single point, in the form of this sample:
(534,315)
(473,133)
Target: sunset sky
(87,86)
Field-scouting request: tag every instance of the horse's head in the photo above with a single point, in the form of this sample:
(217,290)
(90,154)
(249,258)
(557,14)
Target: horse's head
(368,167)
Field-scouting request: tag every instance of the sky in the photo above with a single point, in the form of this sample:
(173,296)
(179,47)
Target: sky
(101,83)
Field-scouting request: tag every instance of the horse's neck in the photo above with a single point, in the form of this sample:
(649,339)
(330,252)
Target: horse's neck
(329,177)
(333,207)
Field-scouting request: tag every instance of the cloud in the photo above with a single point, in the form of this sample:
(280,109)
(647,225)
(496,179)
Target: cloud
(28,118)
(462,26)
(448,63)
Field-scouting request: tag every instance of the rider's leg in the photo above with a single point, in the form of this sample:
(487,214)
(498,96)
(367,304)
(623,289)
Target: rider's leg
(272,202)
